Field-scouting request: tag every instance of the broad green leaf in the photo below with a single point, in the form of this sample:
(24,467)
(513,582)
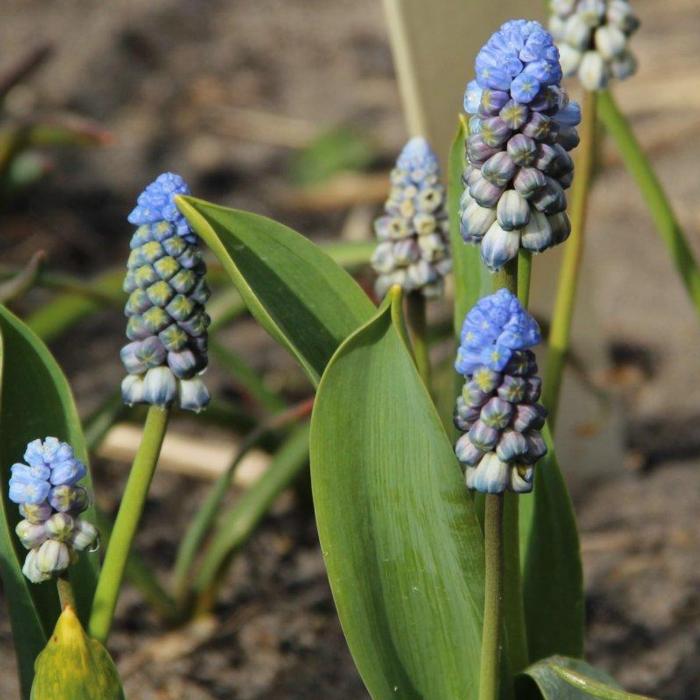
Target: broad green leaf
(399,536)
(308,303)
(559,678)
(551,564)
(35,402)
(472,279)
(74,666)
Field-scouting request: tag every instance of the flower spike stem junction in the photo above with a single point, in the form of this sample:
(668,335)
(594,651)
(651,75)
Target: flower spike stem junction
(65,592)
(416,311)
(562,317)
(126,523)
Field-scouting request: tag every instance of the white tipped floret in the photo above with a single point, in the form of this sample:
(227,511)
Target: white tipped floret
(610,41)
(592,72)
(194,395)
(159,387)
(490,475)
(499,246)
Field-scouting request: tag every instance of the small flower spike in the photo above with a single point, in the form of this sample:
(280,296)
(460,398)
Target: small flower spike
(522,126)
(167,321)
(413,249)
(497,411)
(50,501)
(593,37)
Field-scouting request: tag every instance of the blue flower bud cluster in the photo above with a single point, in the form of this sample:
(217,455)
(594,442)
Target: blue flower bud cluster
(593,38)
(167,322)
(413,250)
(50,502)
(498,410)
(521,129)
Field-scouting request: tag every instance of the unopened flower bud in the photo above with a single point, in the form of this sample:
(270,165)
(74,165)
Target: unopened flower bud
(52,557)
(31,534)
(413,250)
(497,411)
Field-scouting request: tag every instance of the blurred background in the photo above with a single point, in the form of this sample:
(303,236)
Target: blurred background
(292,108)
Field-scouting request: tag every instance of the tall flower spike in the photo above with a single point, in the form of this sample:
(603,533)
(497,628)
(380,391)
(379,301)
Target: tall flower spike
(522,127)
(167,326)
(50,501)
(593,38)
(498,411)
(413,249)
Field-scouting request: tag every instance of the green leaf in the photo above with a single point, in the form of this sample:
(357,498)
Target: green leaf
(472,279)
(301,297)
(559,678)
(401,542)
(551,564)
(653,194)
(74,666)
(334,151)
(35,402)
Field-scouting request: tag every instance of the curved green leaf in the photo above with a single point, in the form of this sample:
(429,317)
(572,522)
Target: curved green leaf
(472,279)
(559,678)
(402,545)
(35,402)
(551,564)
(307,302)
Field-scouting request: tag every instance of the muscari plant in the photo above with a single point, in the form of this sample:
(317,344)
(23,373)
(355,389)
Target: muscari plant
(449,582)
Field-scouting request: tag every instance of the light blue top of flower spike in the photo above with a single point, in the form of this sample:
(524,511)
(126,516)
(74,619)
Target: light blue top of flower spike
(417,158)
(520,58)
(493,330)
(48,463)
(157,203)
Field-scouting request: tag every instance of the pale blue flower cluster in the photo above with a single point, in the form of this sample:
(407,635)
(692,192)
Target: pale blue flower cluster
(521,128)
(494,328)
(413,250)
(156,203)
(593,39)
(520,58)
(167,326)
(50,501)
(498,409)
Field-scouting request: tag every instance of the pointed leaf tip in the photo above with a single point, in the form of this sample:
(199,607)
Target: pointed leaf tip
(74,666)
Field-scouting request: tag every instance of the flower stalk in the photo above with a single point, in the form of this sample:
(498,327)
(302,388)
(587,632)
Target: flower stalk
(491,641)
(562,317)
(127,521)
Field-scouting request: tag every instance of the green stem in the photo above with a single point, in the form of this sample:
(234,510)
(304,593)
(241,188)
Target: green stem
(518,282)
(65,592)
(653,193)
(562,316)
(490,670)
(504,597)
(418,325)
(130,509)
(524,274)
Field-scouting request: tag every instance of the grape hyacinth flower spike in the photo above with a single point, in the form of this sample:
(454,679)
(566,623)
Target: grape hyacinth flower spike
(167,322)
(50,502)
(498,410)
(593,37)
(413,250)
(522,127)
